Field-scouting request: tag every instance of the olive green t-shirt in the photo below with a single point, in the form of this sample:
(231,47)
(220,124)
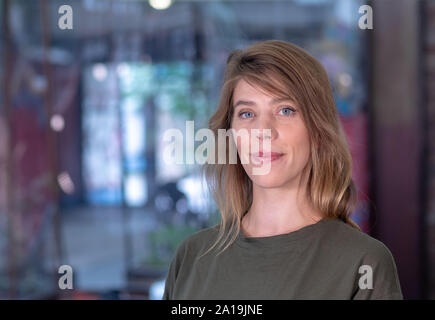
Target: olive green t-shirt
(325,260)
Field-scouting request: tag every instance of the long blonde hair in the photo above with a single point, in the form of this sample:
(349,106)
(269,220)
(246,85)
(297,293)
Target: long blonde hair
(330,187)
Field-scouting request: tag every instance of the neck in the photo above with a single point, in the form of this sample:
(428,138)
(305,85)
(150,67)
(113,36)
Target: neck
(277,211)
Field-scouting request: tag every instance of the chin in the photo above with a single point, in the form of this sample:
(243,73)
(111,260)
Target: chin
(268,181)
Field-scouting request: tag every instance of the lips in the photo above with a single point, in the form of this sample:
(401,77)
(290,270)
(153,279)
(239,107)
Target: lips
(271,156)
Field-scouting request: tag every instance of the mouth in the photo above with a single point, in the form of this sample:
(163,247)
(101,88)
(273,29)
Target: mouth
(266,156)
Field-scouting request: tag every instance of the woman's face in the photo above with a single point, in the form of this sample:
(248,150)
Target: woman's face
(289,139)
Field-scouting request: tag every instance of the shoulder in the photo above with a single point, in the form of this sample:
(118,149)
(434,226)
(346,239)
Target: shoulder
(198,241)
(361,255)
(342,236)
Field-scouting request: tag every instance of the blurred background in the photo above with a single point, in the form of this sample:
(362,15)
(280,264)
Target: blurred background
(83,111)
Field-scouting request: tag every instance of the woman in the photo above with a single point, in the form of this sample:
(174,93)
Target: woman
(285,234)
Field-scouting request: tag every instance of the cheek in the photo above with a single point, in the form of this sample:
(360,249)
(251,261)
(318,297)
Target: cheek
(303,148)
(242,141)
(298,145)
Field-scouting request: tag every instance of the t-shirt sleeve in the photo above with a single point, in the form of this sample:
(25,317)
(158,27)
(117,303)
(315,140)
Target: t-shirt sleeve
(377,276)
(174,268)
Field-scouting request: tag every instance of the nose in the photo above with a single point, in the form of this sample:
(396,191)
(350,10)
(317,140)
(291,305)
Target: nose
(266,130)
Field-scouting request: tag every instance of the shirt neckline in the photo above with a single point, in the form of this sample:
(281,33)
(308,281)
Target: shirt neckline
(280,240)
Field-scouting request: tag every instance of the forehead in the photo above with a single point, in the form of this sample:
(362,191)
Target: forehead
(246,91)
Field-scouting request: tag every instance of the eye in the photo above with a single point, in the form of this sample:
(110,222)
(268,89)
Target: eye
(287,111)
(247,113)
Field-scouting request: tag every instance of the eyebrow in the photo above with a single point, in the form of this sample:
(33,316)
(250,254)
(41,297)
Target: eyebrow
(253,103)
